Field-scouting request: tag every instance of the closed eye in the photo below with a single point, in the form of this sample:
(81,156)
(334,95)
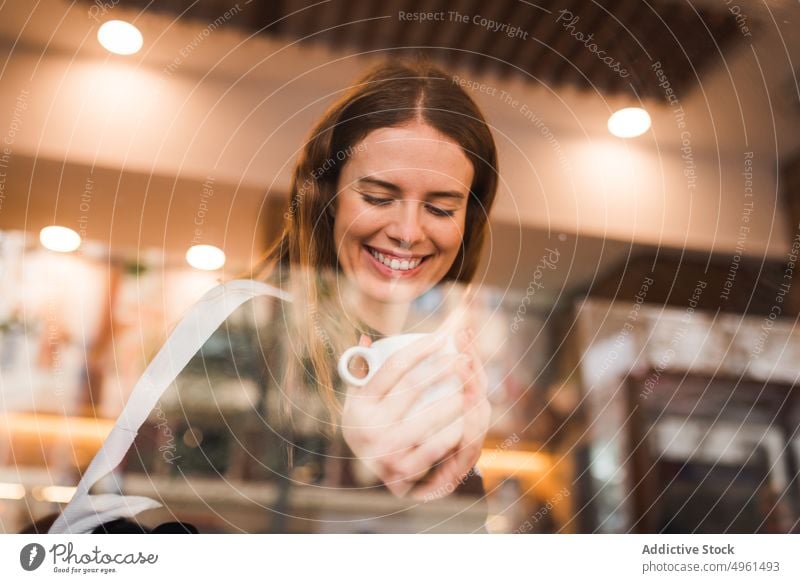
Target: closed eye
(374,200)
(439,212)
(379,201)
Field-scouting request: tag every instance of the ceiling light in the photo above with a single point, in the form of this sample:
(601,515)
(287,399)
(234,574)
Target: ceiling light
(59,239)
(120,37)
(205,257)
(62,494)
(629,122)
(12,491)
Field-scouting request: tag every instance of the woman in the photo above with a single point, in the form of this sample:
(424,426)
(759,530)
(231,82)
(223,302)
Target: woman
(389,198)
(392,191)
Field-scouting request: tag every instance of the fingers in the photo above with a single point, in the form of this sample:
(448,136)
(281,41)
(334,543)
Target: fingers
(403,411)
(476,406)
(476,382)
(401,362)
(438,369)
(402,444)
(399,487)
(400,470)
(419,461)
(458,316)
(388,428)
(421,426)
(451,472)
(443,482)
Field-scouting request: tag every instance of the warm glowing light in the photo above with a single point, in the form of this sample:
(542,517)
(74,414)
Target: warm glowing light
(59,239)
(629,122)
(205,257)
(62,494)
(120,37)
(498,523)
(86,431)
(513,462)
(12,491)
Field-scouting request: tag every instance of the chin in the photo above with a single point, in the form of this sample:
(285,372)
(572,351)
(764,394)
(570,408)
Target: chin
(389,292)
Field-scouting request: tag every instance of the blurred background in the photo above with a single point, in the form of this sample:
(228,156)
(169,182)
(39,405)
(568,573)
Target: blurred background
(640,272)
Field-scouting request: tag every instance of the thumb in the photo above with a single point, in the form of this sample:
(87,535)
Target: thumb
(365,340)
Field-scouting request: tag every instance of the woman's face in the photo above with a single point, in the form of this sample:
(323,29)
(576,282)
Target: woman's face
(400,211)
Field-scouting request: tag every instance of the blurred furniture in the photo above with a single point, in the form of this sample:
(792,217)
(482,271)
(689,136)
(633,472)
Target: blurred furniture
(712,454)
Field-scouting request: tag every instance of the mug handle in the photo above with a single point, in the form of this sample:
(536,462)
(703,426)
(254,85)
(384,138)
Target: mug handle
(344,365)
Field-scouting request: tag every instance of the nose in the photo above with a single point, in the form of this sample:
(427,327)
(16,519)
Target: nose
(406,228)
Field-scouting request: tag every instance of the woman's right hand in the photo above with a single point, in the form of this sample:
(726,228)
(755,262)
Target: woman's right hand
(400,449)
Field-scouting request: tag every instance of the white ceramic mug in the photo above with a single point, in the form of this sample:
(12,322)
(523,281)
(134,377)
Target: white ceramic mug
(382,349)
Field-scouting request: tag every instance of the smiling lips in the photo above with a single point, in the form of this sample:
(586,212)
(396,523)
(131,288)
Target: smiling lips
(394,262)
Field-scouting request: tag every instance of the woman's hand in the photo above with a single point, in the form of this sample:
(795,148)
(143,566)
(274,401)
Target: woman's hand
(477,411)
(400,449)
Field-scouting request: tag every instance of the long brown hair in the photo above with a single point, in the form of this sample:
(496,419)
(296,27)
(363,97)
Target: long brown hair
(391,94)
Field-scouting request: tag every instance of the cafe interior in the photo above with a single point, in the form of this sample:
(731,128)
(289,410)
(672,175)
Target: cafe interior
(639,272)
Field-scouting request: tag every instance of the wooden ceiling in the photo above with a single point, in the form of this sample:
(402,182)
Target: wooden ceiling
(546,48)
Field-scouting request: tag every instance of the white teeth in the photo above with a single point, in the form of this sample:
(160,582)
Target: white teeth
(396,264)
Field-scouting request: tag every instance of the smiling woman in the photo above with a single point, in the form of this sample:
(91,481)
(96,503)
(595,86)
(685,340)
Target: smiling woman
(391,194)
(400,212)
(390,198)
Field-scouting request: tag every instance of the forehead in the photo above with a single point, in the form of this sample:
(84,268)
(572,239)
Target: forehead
(414,152)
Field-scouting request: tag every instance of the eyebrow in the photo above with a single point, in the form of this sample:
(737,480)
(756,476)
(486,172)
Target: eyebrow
(396,190)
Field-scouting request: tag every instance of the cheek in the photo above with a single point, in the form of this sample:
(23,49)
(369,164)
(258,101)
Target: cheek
(347,223)
(451,236)
(356,228)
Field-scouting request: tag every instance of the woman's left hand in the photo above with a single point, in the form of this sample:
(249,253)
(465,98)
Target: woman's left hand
(457,465)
